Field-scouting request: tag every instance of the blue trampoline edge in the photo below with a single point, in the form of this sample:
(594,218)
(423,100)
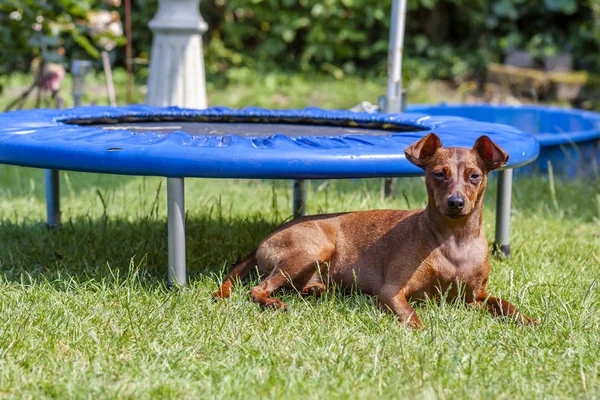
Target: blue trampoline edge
(569,138)
(44,138)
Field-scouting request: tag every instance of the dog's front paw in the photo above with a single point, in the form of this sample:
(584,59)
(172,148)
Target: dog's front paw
(275,303)
(223,292)
(218,295)
(529,321)
(414,324)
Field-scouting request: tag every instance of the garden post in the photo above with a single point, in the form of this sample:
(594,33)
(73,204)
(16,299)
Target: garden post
(177,79)
(177,61)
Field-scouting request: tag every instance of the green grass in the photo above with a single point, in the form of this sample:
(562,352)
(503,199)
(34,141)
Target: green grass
(276,90)
(84,312)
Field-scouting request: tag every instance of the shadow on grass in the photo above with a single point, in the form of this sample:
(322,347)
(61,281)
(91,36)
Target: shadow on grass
(95,247)
(27,182)
(88,249)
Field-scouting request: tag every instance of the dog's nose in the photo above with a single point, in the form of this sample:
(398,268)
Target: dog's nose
(456,202)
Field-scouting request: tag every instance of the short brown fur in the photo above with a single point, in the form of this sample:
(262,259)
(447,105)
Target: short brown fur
(397,256)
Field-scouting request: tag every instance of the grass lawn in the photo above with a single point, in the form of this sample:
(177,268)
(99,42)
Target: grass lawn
(276,90)
(84,312)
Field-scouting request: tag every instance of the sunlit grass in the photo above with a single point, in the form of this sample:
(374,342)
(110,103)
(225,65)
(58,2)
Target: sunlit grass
(84,312)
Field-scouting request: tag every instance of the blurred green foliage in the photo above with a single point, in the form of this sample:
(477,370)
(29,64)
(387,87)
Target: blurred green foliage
(29,28)
(453,39)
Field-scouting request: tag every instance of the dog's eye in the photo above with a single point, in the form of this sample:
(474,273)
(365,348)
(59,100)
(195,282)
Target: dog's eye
(475,177)
(439,174)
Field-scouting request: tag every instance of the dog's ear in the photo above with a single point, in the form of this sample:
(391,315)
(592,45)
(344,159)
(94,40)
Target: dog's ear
(420,152)
(490,153)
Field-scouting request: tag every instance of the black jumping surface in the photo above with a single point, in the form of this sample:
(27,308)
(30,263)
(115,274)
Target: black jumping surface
(240,127)
(243,129)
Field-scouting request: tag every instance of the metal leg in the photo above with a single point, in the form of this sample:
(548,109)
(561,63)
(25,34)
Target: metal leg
(388,188)
(176,228)
(52,199)
(299,197)
(503,198)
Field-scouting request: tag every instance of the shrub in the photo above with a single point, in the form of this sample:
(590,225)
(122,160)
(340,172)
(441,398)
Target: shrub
(444,38)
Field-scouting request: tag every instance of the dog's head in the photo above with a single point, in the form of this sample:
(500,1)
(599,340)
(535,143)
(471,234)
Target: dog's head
(455,177)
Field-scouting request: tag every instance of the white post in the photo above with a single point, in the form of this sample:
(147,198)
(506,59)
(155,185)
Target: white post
(177,79)
(177,60)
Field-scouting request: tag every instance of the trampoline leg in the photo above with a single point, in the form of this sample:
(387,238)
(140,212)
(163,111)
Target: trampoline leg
(299,198)
(502,245)
(388,188)
(176,228)
(52,199)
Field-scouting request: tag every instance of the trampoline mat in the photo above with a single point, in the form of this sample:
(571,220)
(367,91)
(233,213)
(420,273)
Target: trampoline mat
(245,129)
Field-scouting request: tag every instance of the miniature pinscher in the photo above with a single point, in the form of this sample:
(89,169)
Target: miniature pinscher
(397,256)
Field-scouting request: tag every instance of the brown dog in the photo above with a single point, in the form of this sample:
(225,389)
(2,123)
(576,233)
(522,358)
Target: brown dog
(395,255)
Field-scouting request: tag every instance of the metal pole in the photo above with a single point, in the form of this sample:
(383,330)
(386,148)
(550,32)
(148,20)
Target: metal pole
(128,51)
(395,99)
(503,199)
(52,199)
(176,231)
(299,198)
(394,84)
(79,69)
(110,84)
(177,78)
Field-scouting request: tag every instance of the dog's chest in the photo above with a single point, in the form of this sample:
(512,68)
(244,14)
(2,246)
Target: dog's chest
(463,261)
(446,267)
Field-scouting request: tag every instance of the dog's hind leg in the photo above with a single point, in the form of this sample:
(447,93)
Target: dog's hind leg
(239,271)
(296,270)
(318,283)
(314,288)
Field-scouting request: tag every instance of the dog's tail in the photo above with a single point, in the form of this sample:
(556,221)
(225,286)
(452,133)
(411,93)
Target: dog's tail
(239,271)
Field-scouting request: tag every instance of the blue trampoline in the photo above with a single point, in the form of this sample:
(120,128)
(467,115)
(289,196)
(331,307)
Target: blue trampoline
(569,138)
(224,143)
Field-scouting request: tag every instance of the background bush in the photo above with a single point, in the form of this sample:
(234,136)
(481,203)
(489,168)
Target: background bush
(445,38)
